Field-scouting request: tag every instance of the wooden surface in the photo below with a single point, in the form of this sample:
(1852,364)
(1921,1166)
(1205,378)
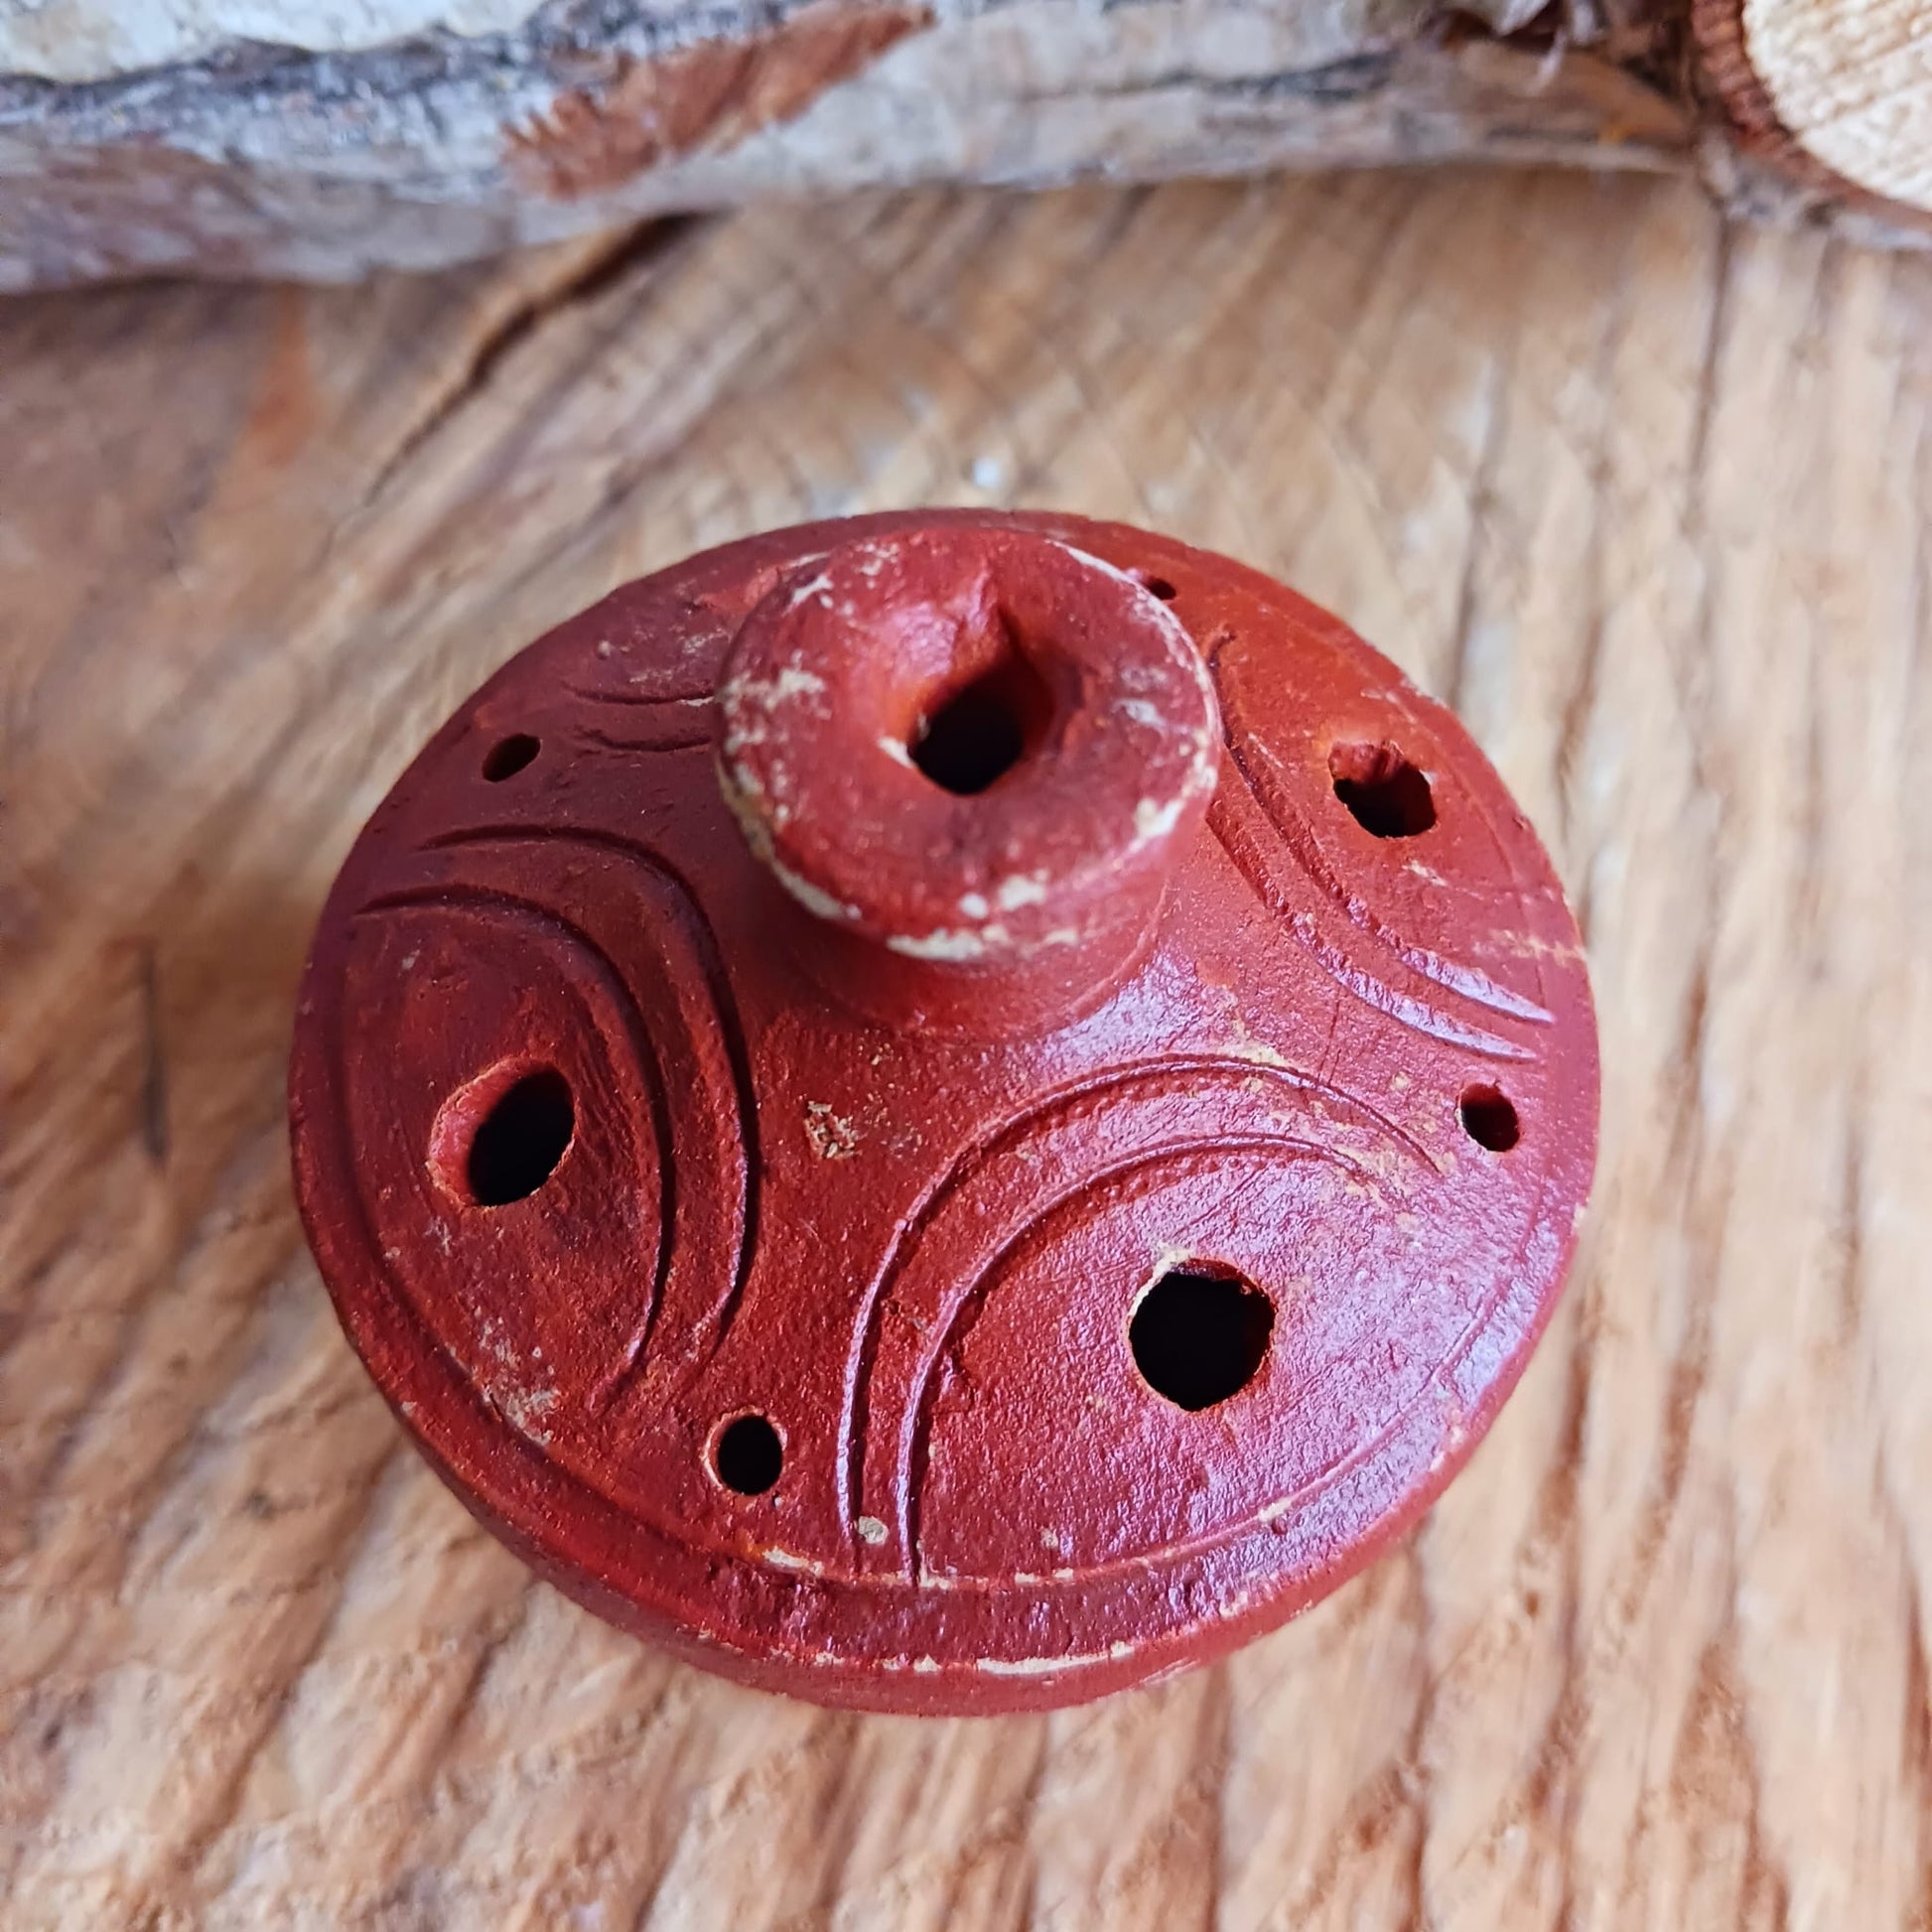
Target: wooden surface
(1646,500)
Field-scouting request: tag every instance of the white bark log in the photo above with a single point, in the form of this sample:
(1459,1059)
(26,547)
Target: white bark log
(260,137)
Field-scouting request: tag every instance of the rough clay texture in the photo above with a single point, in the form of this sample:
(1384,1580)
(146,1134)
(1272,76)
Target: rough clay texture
(904,1212)
(380,135)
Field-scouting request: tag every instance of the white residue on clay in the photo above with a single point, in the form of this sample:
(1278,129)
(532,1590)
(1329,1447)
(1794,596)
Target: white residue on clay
(1042,1666)
(791,1560)
(948,943)
(834,1137)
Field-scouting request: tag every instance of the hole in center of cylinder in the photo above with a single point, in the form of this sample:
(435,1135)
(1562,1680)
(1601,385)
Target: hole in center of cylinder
(979,730)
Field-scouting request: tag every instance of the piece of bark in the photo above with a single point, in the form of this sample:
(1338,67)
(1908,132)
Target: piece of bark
(143,138)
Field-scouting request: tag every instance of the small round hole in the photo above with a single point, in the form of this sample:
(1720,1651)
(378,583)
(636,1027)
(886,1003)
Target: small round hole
(747,1456)
(1489,1119)
(1200,1337)
(1156,587)
(518,1143)
(508,755)
(1386,795)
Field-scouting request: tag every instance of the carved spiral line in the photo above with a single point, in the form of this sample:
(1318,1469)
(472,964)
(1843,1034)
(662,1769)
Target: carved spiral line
(1299,837)
(492,900)
(431,1339)
(724,1003)
(1437,1383)
(1279,1507)
(1238,843)
(1296,837)
(701,627)
(681,736)
(1062,1102)
(637,700)
(915,1450)
(699,687)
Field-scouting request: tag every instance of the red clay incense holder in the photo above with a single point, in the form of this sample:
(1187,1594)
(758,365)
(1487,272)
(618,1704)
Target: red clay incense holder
(947,1112)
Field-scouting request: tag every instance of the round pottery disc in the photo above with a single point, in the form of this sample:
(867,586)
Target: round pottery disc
(947,1112)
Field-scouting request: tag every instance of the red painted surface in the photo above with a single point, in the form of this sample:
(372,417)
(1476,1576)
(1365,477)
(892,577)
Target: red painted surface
(876,1109)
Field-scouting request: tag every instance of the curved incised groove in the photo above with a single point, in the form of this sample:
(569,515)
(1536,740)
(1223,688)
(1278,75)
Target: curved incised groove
(698,629)
(723,1006)
(687,731)
(697,645)
(1244,851)
(1296,837)
(1299,837)
(696,694)
(376,1254)
(1188,1076)
(1438,1386)
(971,1299)
(492,904)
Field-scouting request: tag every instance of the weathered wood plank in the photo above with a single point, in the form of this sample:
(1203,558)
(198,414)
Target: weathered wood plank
(1644,495)
(244,137)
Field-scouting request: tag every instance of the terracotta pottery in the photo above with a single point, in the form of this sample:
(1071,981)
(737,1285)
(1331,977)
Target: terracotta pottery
(947,1112)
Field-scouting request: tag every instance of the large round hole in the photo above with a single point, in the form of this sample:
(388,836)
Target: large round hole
(518,1143)
(1200,1337)
(508,755)
(747,1456)
(1384,792)
(1489,1119)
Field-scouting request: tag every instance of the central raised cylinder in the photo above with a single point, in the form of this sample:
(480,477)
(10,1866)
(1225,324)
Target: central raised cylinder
(969,758)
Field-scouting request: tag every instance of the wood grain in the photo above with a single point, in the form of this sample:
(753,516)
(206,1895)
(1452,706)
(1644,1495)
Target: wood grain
(1644,497)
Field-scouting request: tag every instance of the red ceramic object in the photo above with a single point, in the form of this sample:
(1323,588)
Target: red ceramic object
(949,1112)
